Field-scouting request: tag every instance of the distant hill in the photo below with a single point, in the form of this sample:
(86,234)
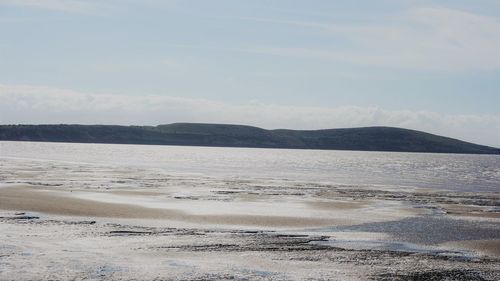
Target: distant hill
(194,134)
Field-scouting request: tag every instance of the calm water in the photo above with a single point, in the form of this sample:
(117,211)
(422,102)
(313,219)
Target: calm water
(446,171)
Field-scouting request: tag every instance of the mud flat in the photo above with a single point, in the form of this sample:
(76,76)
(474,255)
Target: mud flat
(282,214)
(62,221)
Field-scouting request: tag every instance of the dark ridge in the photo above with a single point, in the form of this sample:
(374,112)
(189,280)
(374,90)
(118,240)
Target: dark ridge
(221,135)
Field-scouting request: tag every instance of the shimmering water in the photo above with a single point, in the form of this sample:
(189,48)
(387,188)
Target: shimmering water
(444,171)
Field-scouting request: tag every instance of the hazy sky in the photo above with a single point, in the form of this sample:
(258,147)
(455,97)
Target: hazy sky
(429,65)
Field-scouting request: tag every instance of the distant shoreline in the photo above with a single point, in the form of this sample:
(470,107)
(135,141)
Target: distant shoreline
(382,139)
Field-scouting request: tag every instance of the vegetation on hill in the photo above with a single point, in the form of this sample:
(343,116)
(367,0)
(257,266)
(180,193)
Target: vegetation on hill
(365,139)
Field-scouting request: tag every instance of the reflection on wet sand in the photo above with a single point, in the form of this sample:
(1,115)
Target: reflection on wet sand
(65,221)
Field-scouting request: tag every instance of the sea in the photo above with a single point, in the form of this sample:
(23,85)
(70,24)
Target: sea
(454,172)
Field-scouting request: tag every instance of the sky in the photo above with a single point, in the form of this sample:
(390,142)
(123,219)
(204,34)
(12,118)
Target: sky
(431,65)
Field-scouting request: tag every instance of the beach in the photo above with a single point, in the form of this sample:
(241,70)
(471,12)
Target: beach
(74,221)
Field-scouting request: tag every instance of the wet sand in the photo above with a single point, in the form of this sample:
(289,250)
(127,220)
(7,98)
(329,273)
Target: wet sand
(470,211)
(46,247)
(65,222)
(23,198)
(489,248)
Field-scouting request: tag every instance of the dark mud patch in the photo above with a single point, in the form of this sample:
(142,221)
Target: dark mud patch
(30,219)
(485,199)
(125,230)
(450,275)
(267,242)
(430,230)
(129,233)
(71,222)
(20,217)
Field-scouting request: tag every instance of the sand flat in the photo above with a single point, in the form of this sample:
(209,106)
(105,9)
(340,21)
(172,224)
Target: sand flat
(470,211)
(260,213)
(26,198)
(339,205)
(484,247)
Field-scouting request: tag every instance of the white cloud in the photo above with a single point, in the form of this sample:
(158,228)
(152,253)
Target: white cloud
(37,105)
(436,39)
